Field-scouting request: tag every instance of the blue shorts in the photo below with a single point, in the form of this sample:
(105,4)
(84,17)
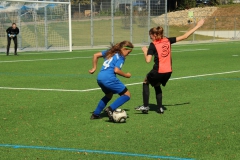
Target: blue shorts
(115,87)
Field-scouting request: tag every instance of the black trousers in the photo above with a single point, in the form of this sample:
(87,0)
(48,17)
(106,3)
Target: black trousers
(9,43)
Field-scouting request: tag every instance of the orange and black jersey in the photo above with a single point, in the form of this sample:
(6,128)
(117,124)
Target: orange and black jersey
(161,50)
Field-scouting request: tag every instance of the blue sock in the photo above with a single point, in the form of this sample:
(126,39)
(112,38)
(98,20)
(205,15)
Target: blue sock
(120,101)
(101,105)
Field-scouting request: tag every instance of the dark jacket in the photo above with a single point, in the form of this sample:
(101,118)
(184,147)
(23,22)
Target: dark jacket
(10,30)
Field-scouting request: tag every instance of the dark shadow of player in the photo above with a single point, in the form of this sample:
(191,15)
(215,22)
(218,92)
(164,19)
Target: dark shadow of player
(154,107)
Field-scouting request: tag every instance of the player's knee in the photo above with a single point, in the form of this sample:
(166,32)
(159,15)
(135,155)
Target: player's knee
(128,94)
(109,95)
(145,81)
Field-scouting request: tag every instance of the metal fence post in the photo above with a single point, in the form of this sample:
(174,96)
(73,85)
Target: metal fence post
(149,15)
(165,25)
(112,21)
(45,27)
(194,21)
(235,21)
(79,11)
(91,23)
(19,24)
(214,28)
(131,21)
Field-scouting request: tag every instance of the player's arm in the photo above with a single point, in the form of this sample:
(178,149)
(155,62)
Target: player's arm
(121,73)
(94,62)
(147,57)
(8,30)
(187,34)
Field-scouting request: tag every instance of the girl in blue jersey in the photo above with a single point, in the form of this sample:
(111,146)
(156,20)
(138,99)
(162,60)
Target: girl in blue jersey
(160,49)
(114,59)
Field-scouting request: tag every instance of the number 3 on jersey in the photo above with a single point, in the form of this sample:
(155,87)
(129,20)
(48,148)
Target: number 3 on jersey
(106,63)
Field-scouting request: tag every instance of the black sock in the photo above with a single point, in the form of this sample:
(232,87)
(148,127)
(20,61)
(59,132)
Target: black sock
(158,92)
(145,94)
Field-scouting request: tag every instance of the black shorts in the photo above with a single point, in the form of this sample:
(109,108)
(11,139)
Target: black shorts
(155,78)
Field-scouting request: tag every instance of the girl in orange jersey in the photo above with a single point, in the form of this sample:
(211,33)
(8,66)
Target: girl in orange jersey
(160,48)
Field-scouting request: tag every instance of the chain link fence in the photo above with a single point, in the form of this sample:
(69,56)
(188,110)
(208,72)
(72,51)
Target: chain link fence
(104,23)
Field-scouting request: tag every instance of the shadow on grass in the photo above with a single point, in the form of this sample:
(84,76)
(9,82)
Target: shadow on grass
(104,114)
(154,107)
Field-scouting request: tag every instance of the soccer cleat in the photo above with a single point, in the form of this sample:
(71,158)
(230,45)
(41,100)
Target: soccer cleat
(142,108)
(93,116)
(161,110)
(109,111)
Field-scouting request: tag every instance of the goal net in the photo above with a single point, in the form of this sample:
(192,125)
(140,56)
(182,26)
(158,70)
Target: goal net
(44,24)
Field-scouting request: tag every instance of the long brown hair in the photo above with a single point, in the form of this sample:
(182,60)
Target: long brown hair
(157,31)
(117,48)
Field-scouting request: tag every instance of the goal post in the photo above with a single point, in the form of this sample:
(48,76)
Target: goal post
(45,25)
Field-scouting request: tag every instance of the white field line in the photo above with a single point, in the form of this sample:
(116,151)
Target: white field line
(93,89)
(33,60)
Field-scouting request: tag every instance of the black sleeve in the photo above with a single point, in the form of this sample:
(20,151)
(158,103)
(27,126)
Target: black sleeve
(172,40)
(151,49)
(8,30)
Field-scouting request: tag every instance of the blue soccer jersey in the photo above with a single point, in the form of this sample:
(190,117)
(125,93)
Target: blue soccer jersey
(107,70)
(107,79)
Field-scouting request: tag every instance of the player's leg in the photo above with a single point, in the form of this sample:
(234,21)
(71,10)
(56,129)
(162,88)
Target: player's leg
(158,93)
(125,95)
(163,79)
(103,102)
(101,105)
(15,45)
(8,44)
(145,96)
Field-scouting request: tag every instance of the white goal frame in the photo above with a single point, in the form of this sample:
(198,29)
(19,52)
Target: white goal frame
(52,2)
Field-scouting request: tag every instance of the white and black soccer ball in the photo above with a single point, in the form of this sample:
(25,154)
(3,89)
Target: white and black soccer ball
(119,116)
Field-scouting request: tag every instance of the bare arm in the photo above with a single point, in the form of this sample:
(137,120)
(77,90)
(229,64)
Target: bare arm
(148,58)
(121,73)
(187,34)
(94,62)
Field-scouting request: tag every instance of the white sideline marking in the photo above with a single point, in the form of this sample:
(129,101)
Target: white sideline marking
(131,84)
(32,60)
(133,54)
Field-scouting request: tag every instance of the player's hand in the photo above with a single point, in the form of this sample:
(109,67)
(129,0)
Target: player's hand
(144,49)
(128,75)
(91,71)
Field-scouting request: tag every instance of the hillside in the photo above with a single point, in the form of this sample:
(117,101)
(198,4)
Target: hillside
(223,17)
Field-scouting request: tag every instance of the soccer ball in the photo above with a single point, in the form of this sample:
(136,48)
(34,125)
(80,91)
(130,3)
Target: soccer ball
(119,115)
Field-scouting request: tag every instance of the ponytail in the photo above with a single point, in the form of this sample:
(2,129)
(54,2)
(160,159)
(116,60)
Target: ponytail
(117,48)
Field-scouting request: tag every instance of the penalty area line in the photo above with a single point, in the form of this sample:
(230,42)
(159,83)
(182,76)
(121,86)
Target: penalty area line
(92,151)
(131,84)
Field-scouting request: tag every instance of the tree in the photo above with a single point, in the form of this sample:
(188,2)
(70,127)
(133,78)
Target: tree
(185,4)
(85,2)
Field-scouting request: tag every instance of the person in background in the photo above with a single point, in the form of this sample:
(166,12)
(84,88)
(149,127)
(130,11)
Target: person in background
(12,33)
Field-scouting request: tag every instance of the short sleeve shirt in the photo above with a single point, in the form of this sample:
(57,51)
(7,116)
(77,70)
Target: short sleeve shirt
(109,65)
(153,51)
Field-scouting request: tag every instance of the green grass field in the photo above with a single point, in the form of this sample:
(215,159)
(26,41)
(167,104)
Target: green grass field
(46,103)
